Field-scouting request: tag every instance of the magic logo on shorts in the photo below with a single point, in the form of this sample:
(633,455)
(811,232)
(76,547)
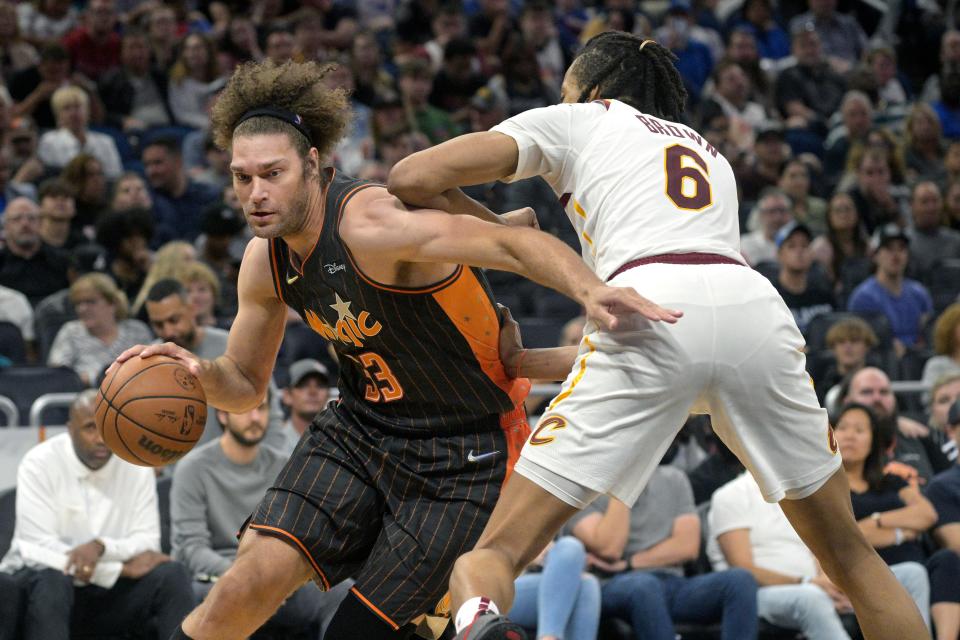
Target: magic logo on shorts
(351,329)
(548,425)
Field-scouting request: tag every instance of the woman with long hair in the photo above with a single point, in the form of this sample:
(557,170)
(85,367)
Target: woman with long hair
(85,175)
(170,261)
(893,515)
(203,291)
(193,78)
(806,208)
(844,247)
(923,150)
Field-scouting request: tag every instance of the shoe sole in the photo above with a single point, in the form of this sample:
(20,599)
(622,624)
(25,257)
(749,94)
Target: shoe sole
(504,630)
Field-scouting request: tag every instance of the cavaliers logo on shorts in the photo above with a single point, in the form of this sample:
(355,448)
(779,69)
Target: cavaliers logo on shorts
(549,425)
(832,440)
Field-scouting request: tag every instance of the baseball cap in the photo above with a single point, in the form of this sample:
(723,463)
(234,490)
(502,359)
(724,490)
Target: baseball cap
(679,6)
(770,130)
(789,229)
(221,220)
(953,415)
(307,367)
(886,233)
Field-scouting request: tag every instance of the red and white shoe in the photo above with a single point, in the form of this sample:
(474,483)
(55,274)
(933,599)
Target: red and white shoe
(489,626)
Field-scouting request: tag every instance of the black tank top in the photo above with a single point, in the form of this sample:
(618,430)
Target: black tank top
(414,360)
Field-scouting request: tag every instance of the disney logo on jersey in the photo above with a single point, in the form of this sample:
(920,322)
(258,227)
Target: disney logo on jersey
(350,329)
(333,267)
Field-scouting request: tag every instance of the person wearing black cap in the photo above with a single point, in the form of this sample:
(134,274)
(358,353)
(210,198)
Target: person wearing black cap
(906,303)
(305,397)
(396,480)
(805,294)
(944,490)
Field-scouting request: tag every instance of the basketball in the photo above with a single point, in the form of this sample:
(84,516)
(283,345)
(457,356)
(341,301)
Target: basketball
(151,411)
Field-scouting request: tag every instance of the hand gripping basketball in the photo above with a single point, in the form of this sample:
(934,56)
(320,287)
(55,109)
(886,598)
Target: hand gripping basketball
(150,410)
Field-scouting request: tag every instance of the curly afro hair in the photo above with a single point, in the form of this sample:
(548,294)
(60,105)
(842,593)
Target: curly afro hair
(294,86)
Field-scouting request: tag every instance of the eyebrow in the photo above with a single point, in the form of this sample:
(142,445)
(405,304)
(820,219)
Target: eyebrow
(262,166)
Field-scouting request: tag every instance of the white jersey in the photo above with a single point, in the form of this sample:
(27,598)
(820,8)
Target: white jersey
(632,185)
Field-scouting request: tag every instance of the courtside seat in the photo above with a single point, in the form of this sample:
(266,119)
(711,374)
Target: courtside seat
(12,345)
(25,384)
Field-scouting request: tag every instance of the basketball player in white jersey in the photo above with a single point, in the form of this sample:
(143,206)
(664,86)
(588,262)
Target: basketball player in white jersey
(656,209)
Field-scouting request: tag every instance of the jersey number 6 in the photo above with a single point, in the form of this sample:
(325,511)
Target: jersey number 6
(687,183)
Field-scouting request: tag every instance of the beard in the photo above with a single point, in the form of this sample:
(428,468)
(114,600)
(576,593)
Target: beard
(186,341)
(243,439)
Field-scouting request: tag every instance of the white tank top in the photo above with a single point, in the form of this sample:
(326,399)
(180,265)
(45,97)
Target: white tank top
(633,185)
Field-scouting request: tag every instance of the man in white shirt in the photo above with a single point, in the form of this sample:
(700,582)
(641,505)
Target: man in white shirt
(86,543)
(748,532)
(306,395)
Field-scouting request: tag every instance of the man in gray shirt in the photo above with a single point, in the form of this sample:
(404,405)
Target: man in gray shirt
(930,239)
(641,551)
(214,489)
(173,319)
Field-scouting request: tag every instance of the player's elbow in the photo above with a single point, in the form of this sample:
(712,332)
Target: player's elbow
(408,182)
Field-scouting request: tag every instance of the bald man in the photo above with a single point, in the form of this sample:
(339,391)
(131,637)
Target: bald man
(86,547)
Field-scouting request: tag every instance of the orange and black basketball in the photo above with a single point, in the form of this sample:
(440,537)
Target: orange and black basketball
(151,411)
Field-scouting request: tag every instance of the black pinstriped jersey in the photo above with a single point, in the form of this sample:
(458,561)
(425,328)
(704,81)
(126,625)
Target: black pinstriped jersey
(415,360)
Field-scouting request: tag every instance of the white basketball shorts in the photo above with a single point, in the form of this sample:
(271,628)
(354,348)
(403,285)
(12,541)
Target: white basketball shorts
(736,354)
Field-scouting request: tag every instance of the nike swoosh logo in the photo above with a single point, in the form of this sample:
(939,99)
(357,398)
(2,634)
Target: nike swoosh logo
(292,279)
(483,456)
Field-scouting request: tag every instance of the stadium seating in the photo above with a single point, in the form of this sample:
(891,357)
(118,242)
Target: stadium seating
(12,345)
(50,314)
(8,516)
(25,384)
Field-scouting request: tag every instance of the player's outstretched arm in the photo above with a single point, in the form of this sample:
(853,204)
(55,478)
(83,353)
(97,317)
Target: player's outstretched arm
(237,381)
(426,235)
(431,178)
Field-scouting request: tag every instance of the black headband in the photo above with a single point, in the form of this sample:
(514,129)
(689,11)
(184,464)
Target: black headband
(289,117)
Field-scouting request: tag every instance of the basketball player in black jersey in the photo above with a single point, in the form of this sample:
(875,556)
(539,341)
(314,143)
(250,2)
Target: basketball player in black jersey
(398,478)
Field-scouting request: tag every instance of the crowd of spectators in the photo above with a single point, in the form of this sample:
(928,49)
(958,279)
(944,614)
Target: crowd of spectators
(840,118)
